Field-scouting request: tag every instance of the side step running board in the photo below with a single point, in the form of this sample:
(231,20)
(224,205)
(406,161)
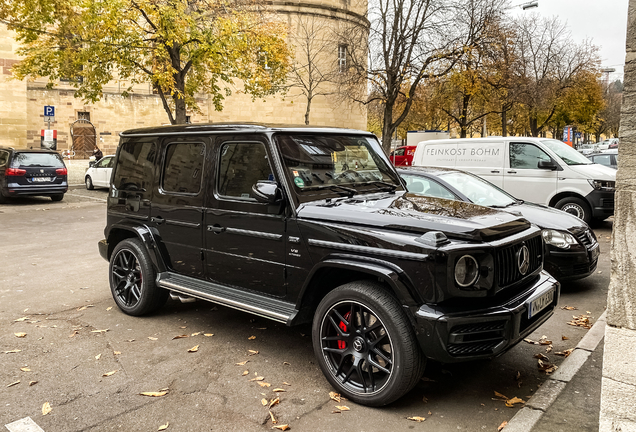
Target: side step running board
(266,307)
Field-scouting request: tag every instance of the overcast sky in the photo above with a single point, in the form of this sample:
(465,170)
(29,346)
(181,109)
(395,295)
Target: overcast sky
(604,21)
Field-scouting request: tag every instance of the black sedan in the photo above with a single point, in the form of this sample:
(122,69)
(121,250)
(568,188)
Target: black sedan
(571,248)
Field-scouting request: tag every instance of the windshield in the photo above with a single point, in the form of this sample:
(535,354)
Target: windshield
(37,160)
(477,190)
(566,153)
(335,165)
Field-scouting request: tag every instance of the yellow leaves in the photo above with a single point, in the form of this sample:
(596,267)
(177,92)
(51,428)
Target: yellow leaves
(194,349)
(99,331)
(21,319)
(335,396)
(581,321)
(251,338)
(107,374)
(154,394)
(196,334)
(75,332)
(565,353)
(271,415)
(564,338)
(343,408)
(416,419)
(32,383)
(208,334)
(546,366)
(264,384)
(46,408)
(13,351)
(273,402)
(20,335)
(501,426)
(245,373)
(25,369)
(180,337)
(98,356)
(510,402)
(279,390)
(570,308)
(252,352)
(264,401)
(14,383)
(281,427)
(258,378)
(152,338)
(108,308)
(84,307)
(164,427)
(243,363)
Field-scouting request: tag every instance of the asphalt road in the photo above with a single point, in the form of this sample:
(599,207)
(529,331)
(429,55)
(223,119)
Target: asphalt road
(54,288)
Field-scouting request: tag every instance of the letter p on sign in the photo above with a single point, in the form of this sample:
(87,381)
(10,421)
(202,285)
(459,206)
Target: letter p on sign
(49,111)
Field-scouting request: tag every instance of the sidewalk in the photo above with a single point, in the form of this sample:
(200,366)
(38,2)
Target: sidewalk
(570,399)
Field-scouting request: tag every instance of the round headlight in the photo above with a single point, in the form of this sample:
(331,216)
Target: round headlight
(466,271)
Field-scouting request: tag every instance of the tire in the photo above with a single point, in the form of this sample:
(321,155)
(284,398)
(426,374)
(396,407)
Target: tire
(89,183)
(3,199)
(132,279)
(57,197)
(348,351)
(577,207)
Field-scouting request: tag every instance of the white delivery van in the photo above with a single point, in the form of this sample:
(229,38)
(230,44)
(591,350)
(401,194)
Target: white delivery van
(539,170)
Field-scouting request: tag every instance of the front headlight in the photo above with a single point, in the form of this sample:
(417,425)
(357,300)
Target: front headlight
(604,185)
(466,271)
(559,239)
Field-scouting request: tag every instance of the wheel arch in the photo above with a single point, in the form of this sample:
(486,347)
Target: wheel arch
(334,272)
(568,194)
(143,233)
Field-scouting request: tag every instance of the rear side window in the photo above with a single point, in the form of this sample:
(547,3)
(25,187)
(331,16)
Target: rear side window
(183,168)
(241,166)
(134,166)
(37,160)
(603,160)
(526,156)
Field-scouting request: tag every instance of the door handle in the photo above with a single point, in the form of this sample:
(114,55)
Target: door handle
(495,171)
(512,172)
(216,228)
(158,220)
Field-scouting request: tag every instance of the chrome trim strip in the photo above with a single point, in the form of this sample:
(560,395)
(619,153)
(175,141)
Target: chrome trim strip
(258,234)
(224,301)
(369,250)
(183,224)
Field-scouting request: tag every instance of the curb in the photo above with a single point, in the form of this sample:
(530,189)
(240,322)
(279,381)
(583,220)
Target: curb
(525,419)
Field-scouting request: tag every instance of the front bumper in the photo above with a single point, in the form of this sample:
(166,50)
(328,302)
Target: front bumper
(102,245)
(568,265)
(454,334)
(602,203)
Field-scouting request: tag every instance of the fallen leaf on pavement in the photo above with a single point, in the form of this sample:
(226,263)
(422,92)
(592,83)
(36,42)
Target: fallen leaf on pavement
(581,321)
(152,338)
(108,308)
(271,414)
(99,331)
(264,384)
(530,341)
(98,356)
(259,378)
(245,372)
(499,395)
(75,332)
(274,402)
(107,374)
(21,319)
(84,307)
(515,400)
(564,338)
(287,363)
(194,348)
(180,337)
(286,383)
(20,335)
(568,308)
(343,408)
(501,426)
(251,338)
(208,334)
(46,408)
(277,390)
(264,402)
(282,427)
(116,352)
(14,383)
(243,363)
(565,353)
(541,356)
(154,394)
(32,383)
(547,367)
(545,341)
(13,351)
(196,334)
(252,352)
(164,427)
(548,349)
(416,419)
(25,369)
(335,396)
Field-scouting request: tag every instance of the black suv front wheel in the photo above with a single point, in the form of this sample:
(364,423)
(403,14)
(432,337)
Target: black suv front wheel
(132,279)
(365,344)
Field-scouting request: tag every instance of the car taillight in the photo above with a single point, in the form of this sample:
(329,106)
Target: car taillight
(14,172)
(61,171)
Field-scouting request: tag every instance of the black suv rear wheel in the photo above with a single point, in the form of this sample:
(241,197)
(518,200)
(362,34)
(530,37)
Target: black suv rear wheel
(132,279)
(365,344)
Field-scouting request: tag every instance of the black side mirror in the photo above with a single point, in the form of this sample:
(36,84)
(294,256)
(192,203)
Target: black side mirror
(549,165)
(91,164)
(266,192)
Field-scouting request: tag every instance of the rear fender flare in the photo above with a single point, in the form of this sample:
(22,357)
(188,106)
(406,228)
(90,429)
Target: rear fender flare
(149,237)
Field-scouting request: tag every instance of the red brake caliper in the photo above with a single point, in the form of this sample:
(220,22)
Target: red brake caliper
(342,344)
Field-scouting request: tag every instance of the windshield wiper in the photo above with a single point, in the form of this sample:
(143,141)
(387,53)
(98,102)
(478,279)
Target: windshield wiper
(504,206)
(391,186)
(336,188)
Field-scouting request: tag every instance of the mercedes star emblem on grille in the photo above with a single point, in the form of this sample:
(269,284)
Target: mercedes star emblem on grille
(523,259)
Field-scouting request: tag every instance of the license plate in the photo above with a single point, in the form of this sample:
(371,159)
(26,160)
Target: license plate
(41,179)
(540,303)
(595,252)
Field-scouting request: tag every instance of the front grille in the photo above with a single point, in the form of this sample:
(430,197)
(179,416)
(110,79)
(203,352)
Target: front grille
(583,238)
(476,338)
(506,261)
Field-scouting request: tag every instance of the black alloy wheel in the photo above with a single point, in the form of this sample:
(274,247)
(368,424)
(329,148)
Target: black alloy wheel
(365,344)
(132,279)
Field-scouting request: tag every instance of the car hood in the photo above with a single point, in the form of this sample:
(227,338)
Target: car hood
(547,217)
(595,172)
(418,214)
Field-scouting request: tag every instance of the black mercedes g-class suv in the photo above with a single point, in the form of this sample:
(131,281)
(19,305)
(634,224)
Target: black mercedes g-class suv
(305,225)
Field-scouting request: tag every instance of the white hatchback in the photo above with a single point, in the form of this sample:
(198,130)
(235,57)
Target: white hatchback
(98,175)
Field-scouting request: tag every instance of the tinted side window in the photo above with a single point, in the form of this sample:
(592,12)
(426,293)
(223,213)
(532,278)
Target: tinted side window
(603,160)
(134,166)
(241,166)
(183,168)
(526,156)
(4,157)
(427,187)
(104,163)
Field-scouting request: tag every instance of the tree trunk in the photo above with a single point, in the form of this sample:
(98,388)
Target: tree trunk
(179,110)
(534,131)
(309,98)
(504,121)
(387,128)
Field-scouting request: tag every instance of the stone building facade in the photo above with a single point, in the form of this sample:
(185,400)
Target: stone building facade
(22,102)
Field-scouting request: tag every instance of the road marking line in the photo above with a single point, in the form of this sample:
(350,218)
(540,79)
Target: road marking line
(24,425)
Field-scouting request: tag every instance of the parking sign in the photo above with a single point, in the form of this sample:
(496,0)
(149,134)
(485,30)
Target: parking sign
(49,111)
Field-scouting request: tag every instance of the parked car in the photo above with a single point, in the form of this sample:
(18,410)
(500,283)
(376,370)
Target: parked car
(403,156)
(98,173)
(539,170)
(571,247)
(313,225)
(610,143)
(588,149)
(29,172)
(608,158)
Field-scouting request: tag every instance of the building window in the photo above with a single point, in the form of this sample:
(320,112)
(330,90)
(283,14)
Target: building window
(84,115)
(342,58)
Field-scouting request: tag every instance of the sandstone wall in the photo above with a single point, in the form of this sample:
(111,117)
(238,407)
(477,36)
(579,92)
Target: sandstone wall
(13,100)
